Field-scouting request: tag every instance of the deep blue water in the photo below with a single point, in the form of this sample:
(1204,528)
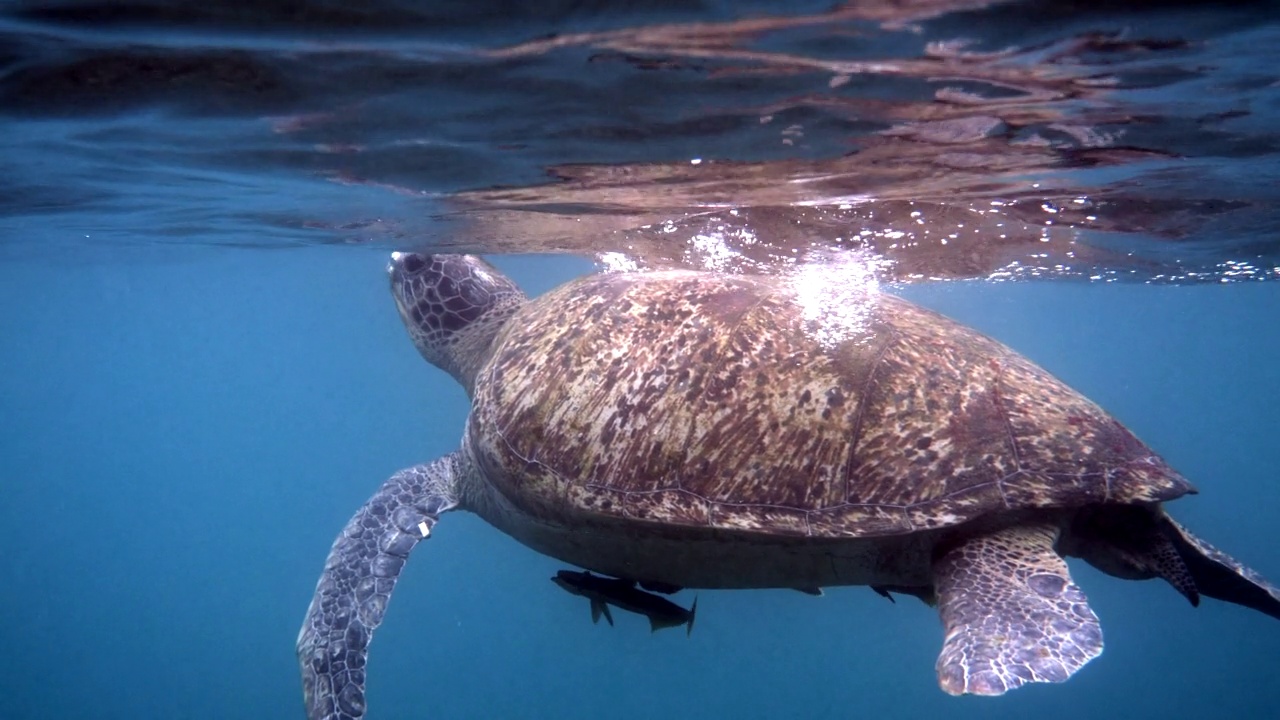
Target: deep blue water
(200,381)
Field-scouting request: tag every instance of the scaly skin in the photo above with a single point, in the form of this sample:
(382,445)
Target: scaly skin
(1011,613)
(359,575)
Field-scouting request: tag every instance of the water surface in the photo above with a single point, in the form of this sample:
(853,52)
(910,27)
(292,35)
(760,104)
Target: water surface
(202,374)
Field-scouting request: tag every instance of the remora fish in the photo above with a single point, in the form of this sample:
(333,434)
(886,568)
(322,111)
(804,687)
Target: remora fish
(623,594)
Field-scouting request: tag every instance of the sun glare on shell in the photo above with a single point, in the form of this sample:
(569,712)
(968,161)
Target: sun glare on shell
(837,296)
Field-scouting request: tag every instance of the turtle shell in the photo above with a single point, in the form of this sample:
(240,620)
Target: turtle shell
(701,400)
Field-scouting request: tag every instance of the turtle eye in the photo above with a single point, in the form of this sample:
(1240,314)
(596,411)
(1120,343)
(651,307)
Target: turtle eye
(413,264)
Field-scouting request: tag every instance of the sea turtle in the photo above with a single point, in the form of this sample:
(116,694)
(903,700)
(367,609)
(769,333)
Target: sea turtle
(690,429)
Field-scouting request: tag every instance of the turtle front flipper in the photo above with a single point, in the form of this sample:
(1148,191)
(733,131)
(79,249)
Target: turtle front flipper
(1218,575)
(359,575)
(1011,612)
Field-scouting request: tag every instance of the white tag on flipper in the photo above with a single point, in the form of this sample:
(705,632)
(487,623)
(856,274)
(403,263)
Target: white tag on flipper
(424,529)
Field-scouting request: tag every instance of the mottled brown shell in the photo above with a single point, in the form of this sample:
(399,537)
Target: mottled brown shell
(702,400)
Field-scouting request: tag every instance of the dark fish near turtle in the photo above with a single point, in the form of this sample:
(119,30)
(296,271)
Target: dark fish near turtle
(624,595)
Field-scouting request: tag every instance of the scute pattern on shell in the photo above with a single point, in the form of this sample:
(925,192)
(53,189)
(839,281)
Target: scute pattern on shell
(702,400)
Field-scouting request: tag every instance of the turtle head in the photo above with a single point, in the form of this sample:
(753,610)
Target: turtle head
(453,307)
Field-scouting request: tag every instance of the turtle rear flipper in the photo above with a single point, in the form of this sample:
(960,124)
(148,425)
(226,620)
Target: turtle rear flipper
(1219,575)
(359,575)
(1011,613)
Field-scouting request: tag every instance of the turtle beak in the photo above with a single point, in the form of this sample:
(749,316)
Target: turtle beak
(402,282)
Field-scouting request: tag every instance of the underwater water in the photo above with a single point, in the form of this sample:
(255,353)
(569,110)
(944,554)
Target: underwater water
(202,373)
